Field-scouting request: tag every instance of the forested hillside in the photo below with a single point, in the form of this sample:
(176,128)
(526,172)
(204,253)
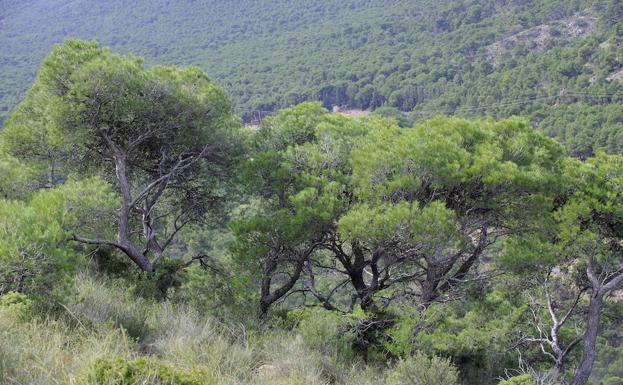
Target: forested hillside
(557,62)
(280,192)
(147,237)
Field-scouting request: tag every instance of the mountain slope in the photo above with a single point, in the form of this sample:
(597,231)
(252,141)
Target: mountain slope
(465,57)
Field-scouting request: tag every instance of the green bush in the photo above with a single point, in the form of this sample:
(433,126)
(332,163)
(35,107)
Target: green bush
(16,303)
(524,379)
(613,381)
(327,333)
(422,370)
(35,257)
(119,371)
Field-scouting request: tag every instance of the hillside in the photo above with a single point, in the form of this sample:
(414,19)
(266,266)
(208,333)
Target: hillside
(171,224)
(469,57)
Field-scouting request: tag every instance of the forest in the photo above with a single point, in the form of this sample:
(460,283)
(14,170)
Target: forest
(559,63)
(147,236)
(189,208)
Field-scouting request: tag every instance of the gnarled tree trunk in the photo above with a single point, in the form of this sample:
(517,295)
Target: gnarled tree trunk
(600,287)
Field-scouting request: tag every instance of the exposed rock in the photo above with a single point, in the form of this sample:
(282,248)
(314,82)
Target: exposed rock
(253,126)
(616,76)
(353,113)
(266,371)
(541,37)
(605,45)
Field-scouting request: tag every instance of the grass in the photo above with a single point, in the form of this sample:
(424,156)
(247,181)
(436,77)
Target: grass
(104,336)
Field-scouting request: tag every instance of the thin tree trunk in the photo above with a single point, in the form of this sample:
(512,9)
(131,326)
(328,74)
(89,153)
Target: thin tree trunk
(583,372)
(123,235)
(268,297)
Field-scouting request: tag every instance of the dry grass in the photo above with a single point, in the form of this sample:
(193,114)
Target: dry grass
(101,321)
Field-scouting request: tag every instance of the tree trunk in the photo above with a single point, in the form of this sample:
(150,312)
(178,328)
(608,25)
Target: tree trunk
(262,310)
(268,297)
(356,274)
(138,257)
(363,292)
(123,234)
(265,303)
(583,372)
(126,244)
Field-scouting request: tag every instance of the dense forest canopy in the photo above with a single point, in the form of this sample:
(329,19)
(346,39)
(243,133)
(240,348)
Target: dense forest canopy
(287,192)
(557,62)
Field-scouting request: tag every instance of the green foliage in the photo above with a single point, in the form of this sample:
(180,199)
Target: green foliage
(588,226)
(16,179)
(474,335)
(407,202)
(299,170)
(423,188)
(392,112)
(447,152)
(163,136)
(434,223)
(422,370)
(34,253)
(119,371)
(609,366)
(524,379)
(612,381)
(83,93)
(16,303)
(215,284)
(543,59)
(578,239)
(325,194)
(161,284)
(327,332)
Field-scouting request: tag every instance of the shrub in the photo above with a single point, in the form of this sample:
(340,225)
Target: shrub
(613,381)
(422,370)
(524,379)
(327,333)
(35,257)
(89,344)
(166,278)
(16,303)
(118,371)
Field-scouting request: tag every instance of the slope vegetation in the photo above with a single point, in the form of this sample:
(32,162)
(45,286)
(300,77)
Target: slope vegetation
(549,60)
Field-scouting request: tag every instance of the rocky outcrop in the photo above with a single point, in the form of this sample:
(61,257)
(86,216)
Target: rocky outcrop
(543,37)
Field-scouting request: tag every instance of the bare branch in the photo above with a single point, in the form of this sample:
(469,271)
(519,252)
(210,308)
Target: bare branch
(95,241)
